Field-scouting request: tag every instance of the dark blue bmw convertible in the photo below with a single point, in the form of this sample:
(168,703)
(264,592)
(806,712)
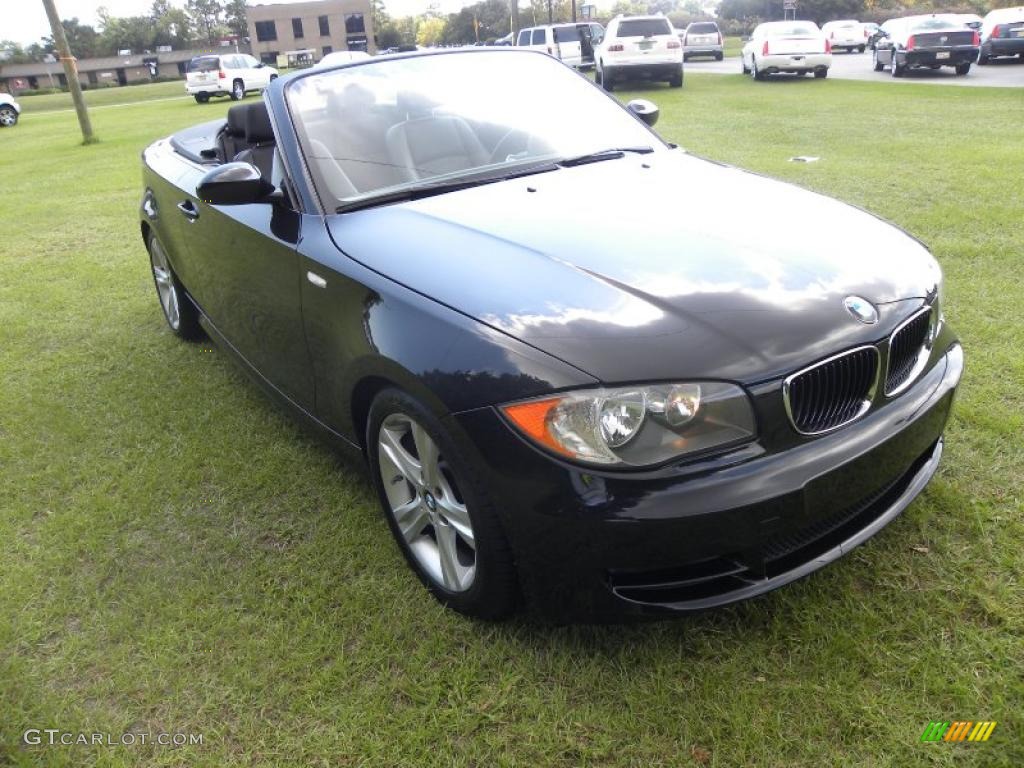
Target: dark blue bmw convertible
(589,373)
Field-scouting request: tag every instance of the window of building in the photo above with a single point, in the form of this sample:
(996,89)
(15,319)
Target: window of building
(266,30)
(327,49)
(354,24)
(297,28)
(325,26)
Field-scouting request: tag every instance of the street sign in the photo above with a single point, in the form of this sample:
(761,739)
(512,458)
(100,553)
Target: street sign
(789,5)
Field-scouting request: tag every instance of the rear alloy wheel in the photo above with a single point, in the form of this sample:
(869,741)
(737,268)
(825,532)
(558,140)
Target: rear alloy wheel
(8,116)
(606,80)
(237,90)
(181,315)
(202,98)
(874,60)
(758,75)
(437,511)
(895,69)
(743,65)
(963,69)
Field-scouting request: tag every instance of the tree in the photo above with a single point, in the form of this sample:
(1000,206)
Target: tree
(430,31)
(206,16)
(234,17)
(82,39)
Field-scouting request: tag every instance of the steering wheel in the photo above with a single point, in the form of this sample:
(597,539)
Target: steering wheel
(498,156)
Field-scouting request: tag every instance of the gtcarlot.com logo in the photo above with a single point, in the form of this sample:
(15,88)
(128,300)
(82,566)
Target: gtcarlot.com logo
(35,737)
(959,730)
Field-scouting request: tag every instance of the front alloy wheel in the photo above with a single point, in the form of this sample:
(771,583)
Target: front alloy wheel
(237,91)
(425,503)
(8,116)
(439,511)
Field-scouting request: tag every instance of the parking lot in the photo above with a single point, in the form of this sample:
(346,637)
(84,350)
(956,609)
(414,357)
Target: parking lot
(1000,73)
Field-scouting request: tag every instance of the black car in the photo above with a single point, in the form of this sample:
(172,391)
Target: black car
(931,42)
(692,398)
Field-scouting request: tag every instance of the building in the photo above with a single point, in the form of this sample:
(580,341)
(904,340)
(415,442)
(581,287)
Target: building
(108,70)
(323,26)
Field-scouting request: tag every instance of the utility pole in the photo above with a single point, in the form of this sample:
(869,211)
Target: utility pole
(70,71)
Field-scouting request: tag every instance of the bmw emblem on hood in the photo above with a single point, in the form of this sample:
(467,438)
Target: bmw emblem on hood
(862,309)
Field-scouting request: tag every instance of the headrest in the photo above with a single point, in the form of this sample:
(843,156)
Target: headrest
(257,124)
(236,120)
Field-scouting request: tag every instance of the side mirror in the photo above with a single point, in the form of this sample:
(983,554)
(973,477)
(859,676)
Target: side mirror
(234,184)
(261,65)
(645,110)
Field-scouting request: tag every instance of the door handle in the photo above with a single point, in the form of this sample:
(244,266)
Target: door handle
(188,210)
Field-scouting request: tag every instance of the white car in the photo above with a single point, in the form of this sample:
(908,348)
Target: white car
(233,75)
(341,57)
(796,47)
(572,44)
(702,38)
(1002,34)
(9,110)
(639,48)
(848,33)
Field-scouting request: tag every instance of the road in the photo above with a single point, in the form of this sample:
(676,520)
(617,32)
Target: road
(1002,73)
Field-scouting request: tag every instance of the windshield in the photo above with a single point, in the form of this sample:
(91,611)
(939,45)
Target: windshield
(926,25)
(643,28)
(391,124)
(790,29)
(204,64)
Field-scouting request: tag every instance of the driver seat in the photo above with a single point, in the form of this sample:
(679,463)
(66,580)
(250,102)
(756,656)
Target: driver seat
(434,145)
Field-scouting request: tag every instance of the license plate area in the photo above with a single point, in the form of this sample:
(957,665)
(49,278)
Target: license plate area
(645,45)
(942,55)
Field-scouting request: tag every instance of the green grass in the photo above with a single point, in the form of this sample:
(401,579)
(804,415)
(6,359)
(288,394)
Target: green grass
(103,97)
(178,556)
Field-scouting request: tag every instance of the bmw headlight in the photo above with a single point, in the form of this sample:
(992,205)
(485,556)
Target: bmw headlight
(636,426)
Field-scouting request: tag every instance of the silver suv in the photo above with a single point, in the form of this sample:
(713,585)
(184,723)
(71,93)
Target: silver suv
(702,38)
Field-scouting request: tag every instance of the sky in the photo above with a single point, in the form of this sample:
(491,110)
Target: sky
(24,21)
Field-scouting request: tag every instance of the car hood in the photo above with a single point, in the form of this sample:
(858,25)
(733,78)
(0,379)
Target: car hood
(651,266)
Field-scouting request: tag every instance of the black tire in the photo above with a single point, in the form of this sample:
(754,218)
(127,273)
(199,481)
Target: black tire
(963,69)
(860,48)
(237,90)
(874,59)
(8,116)
(895,69)
(719,56)
(983,57)
(743,65)
(758,74)
(273,78)
(606,80)
(493,593)
(821,74)
(677,81)
(202,98)
(187,326)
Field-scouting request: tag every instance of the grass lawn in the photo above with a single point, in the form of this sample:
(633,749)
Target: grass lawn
(178,557)
(103,97)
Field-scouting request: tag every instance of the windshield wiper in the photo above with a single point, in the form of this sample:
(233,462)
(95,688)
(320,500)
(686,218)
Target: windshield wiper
(603,154)
(420,191)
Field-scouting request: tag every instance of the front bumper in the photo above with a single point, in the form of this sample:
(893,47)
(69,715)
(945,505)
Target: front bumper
(604,546)
(795,62)
(932,58)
